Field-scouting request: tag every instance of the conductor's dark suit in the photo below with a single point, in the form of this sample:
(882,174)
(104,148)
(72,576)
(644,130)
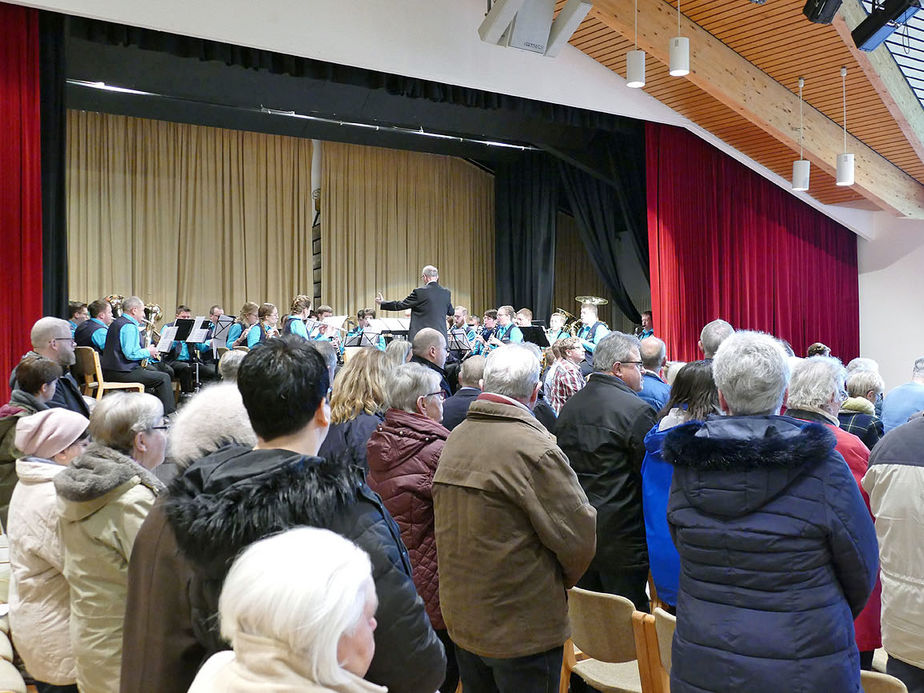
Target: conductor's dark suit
(429,306)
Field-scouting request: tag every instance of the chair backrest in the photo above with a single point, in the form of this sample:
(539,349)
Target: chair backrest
(601,625)
(874,682)
(665,625)
(88,362)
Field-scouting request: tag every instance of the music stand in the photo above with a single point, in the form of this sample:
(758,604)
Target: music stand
(535,335)
(360,339)
(222,327)
(458,340)
(187,331)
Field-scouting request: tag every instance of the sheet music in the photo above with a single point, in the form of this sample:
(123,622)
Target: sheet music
(166,339)
(334,322)
(199,334)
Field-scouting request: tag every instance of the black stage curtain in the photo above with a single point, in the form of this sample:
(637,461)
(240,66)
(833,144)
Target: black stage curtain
(525,204)
(53,132)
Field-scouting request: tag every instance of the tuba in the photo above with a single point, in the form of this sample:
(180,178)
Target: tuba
(115,300)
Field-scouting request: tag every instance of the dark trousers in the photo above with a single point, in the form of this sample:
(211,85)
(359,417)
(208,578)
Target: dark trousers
(629,583)
(539,673)
(910,675)
(155,383)
(451,682)
(51,688)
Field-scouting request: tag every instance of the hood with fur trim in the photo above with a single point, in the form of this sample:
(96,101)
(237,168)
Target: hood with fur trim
(731,466)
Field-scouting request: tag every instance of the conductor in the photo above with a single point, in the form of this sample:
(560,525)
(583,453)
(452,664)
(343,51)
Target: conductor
(429,304)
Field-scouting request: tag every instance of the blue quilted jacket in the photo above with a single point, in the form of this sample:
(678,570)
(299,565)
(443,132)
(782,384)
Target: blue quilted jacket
(777,556)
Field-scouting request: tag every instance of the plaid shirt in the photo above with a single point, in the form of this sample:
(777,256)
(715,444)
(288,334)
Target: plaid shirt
(565,382)
(866,427)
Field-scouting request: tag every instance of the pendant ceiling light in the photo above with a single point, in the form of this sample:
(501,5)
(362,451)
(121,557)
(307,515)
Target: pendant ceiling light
(680,51)
(801,169)
(845,160)
(635,61)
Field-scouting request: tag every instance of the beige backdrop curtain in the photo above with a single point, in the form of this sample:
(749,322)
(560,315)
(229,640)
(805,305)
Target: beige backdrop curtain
(386,213)
(181,213)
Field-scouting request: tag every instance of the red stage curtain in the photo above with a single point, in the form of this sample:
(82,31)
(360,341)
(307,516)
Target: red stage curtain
(20,185)
(726,243)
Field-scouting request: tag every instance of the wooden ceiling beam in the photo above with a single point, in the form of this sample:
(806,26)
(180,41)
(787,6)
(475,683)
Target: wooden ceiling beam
(724,74)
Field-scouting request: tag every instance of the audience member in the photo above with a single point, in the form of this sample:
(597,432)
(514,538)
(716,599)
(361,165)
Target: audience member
(858,412)
(39,602)
(103,497)
(866,364)
(671,370)
(904,400)
(161,651)
(92,332)
(429,350)
(514,530)
(397,352)
(51,339)
(357,404)
(712,336)
(895,482)
(693,398)
(553,357)
(296,623)
(602,431)
(229,364)
(403,453)
(777,550)
(817,349)
(566,379)
(816,391)
(233,497)
(654,390)
(456,407)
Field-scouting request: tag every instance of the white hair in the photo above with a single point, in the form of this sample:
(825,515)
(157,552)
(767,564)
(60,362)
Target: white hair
(652,351)
(213,418)
(512,370)
(712,336)
(119,417)
(861,382)
(862,364)
(230,363)
(396,352)
(279,589)
(405,383)
(751,372)
(918,368)
(814,382)
(616,347)
(130,303)
(429,271)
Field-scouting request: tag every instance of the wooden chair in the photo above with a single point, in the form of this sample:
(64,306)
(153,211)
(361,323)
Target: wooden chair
(665,625)
(88,359)
(601,626)
(875,682)
(653,676)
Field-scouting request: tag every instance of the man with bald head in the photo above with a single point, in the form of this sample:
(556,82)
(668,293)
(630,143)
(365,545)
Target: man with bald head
(429,304)
(654,390)
(52,339)
(429,349)
(713,334)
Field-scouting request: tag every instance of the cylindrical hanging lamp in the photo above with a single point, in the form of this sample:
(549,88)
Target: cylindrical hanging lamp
(680,51)
(635,61)
(801,169)
(845,167)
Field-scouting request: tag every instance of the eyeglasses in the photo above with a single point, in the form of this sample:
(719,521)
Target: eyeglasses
(164,425)
(64,339)
(637,364)
(439,393)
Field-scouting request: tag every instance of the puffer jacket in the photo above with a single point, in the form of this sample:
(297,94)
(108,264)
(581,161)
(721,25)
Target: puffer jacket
(403,454)
(224,502)
(777,556)
(21,404)
(895,482)
(347,440)
(103,497)
(39,604)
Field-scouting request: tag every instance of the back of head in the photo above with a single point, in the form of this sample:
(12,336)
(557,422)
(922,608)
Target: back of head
(212,419)
(35,371)
(328,352)
(712,336)
(694,389)
(131,303)
(512,370)
(300,303)
(47,328)
(653,352)
(862,364)
(396,352)
(282,384)
(405,383)
(860,383)
(918,371)
(97,307)
(278,589)
(817,349)
(359,386)
(430,273)
(472,371)
(426,339)
(751,372)
(229,365)
(616,347)
(814,382)
(119,417)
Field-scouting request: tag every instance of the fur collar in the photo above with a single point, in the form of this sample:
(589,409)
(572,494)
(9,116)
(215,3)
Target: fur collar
(98,471)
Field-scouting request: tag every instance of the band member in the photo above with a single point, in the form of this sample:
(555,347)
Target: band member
(363,316)
(490,324)
(647,329)
(237,333)
(524,317)
(182,361)
(460,327)
(92,333)
(592,331)
(506,331)
(429,304)
(268,316)
(77,314)
(555,331)
(295,320)
(123,354)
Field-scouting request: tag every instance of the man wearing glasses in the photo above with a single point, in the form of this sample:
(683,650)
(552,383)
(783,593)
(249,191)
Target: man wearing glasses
(602,430)
(52,339)
(430,304)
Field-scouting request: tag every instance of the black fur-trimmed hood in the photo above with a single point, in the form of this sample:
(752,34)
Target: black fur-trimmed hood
(735,464)
(226,501)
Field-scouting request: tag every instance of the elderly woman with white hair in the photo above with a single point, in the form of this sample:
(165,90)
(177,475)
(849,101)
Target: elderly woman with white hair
(161,650)
(777,550)
(857,414)
(403,453)
(103,497)
(296,623)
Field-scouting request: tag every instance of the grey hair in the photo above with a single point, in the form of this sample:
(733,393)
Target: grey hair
(918,368)
(396,352)
(712,336)
(405,383)
(47,328)
(131,303)
(210,420)
(862,364)
(653,351)
(429,271)
(329,353)
(614,348)
(472,371)
(230,363)
(426,338)
(119,417)
(512,370)
(861,382)
(751,372)
(278,589)
(814,382)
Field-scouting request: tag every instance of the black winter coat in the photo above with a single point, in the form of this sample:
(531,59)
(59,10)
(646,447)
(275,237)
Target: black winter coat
(348,440)
(602,430)
(228,500)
